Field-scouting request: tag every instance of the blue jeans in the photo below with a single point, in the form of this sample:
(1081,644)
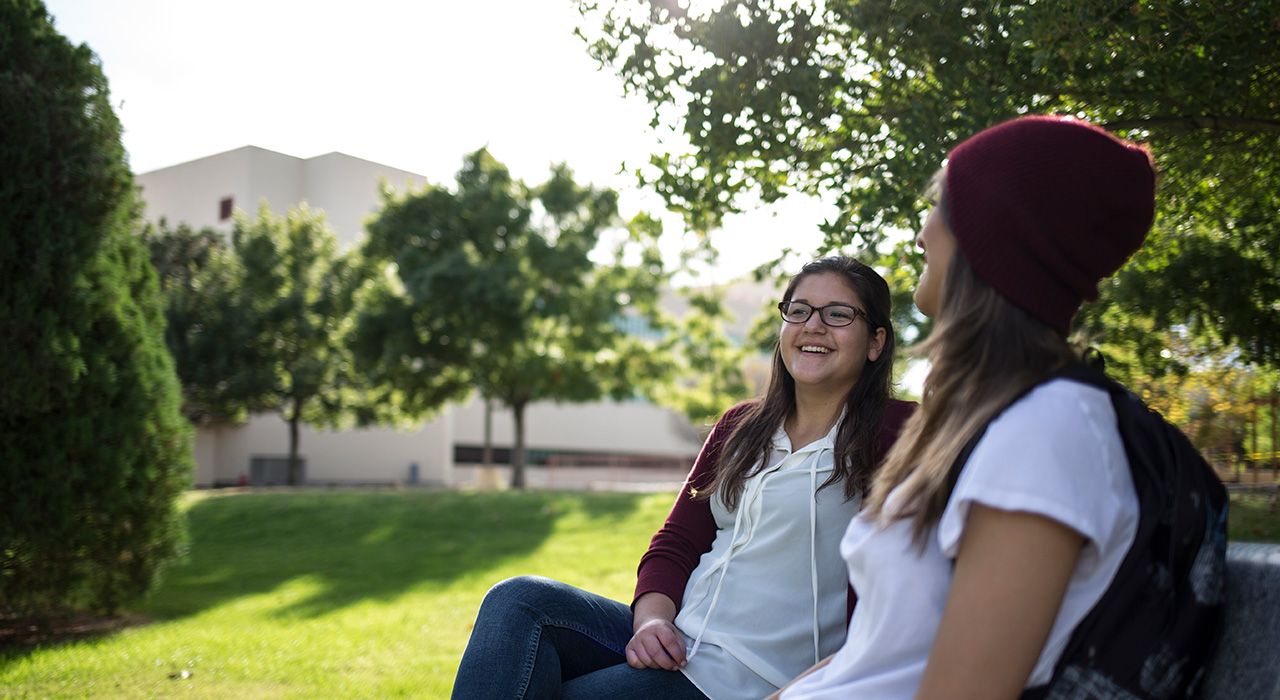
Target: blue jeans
(541,639)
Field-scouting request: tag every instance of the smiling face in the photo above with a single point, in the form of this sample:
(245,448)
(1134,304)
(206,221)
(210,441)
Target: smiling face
(938,244)
(821,358)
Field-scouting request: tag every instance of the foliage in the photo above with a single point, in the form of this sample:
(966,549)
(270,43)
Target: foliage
(859,101)
(294,297)
(92,441)
(710,378)
(1220,403)
(198,278)
(494,286)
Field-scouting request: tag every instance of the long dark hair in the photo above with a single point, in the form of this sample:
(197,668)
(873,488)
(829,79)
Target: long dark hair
(747,449)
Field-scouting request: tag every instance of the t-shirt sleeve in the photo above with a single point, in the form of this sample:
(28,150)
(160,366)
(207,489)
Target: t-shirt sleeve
(1055,453)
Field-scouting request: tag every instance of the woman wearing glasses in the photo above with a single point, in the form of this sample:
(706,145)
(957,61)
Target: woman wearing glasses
(742,588)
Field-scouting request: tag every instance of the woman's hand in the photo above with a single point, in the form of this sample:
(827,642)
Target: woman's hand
(656,643)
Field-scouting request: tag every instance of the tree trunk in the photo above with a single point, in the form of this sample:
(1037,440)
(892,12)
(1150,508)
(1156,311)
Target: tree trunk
(1275,449)
(1254,457)
(517,451)
(486,452)
(295,467)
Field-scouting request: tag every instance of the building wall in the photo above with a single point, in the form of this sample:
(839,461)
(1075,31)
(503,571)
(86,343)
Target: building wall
(205,451)
(274,178)
(355,456)
(605,427)
(346,188)
(190,192)
(329,185)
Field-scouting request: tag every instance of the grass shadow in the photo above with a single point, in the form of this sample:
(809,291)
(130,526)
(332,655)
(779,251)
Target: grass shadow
(23,635)
(604,505)
(357,545)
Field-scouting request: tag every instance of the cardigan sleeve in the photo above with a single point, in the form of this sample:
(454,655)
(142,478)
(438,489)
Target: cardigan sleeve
(690,528)
(896,413)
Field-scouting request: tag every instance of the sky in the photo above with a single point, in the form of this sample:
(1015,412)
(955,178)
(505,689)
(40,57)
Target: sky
(414,84)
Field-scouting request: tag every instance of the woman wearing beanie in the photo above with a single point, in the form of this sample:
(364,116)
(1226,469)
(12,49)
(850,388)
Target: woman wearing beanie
(971,588)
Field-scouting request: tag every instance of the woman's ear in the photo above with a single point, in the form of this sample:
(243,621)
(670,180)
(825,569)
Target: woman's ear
(876,345)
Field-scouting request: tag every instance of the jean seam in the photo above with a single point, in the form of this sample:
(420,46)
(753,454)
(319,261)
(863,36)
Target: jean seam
(531,659)
(586,632)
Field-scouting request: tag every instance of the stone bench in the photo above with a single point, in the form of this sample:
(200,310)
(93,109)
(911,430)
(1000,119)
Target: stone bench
(1246,664)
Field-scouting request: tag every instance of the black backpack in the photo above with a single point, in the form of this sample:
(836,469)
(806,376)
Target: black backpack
(1152,632)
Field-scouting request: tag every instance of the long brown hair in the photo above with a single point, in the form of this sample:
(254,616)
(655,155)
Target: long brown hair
(984,351)
(748,446)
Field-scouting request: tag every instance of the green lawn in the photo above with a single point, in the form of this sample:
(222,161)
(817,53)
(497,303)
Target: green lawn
(362,594)
(1253,516)
(349,594)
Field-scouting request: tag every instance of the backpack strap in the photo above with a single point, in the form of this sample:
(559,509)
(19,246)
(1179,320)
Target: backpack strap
(1089,371)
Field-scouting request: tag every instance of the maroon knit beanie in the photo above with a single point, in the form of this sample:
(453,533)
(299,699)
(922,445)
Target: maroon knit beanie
(1044,208)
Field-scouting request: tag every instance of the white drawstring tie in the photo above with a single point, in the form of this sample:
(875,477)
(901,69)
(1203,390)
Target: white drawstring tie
(813,549)
(813,555)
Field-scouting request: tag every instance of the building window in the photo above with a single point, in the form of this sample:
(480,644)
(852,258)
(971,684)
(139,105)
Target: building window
(224,208)
(274,471)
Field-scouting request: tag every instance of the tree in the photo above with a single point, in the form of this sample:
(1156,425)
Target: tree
(859,101)
(93,445)
(198,279)
(294,301)
(496,289)
(710,378)
(1221,404)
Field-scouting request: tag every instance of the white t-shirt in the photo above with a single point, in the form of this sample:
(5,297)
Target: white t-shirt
(1055,453)
(771,596)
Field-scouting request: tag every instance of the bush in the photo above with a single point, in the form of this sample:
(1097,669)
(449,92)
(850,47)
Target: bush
(93,448)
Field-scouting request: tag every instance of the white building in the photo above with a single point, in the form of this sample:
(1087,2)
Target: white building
(208,191)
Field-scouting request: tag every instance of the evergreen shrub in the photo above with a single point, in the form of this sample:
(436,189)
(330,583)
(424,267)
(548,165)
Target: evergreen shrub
(94,451)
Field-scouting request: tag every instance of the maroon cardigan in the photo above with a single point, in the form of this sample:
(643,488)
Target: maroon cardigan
(690,528)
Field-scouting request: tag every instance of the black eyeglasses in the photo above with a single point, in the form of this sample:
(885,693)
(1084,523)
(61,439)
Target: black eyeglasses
(834,315)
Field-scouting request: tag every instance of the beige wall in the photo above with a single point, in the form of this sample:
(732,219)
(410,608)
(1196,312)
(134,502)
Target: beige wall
(631,427)
(378,455)
(205,451)
(275,178)
(190,192)
(346,188)
(374,455)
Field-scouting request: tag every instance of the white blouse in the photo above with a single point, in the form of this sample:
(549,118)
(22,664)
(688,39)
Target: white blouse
(770,598)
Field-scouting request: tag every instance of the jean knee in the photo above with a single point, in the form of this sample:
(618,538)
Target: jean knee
(520,589)
(533,594)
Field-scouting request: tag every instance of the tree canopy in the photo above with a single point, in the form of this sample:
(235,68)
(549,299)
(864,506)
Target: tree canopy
(493,286)
(707,376)
(199,277)
(860,100)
